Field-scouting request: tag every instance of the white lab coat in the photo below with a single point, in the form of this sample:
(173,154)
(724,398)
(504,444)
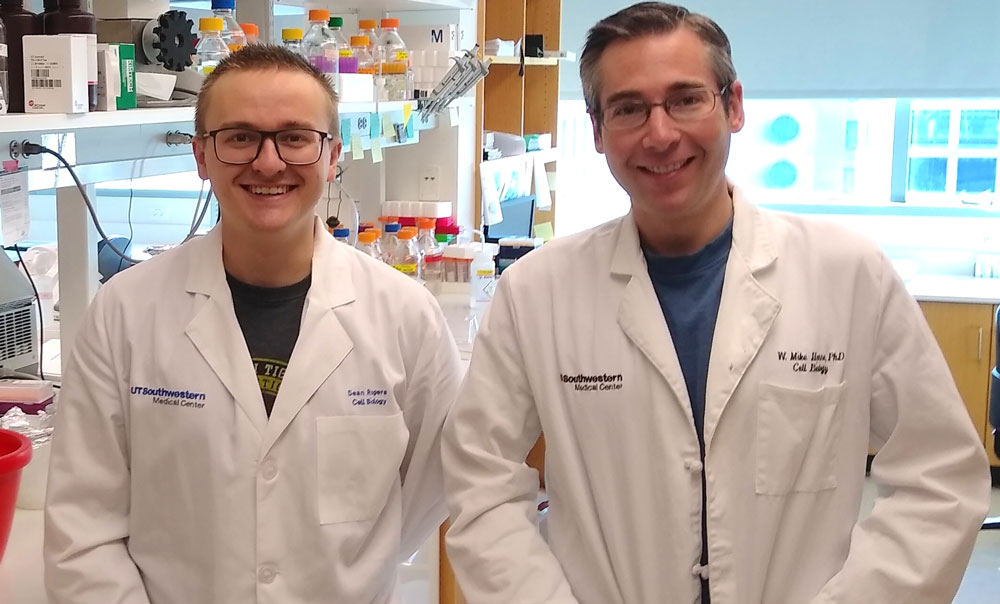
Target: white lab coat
(575,344)
(195,496)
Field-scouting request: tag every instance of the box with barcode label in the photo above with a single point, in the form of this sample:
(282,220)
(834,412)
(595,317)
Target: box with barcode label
(55,74)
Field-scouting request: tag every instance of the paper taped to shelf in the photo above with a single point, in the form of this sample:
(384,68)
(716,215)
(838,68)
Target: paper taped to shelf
(14,215)
(504,179)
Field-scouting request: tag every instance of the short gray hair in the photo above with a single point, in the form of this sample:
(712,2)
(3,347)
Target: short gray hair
(648,18)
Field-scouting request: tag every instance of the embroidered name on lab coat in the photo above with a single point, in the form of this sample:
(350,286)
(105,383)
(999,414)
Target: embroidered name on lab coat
(364,397)
(810,362)
(593,382)
(171,398)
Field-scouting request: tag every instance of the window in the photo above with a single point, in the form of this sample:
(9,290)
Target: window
(952,153)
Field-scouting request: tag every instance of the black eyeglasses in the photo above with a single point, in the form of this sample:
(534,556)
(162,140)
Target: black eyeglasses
(241,146)
(683,106)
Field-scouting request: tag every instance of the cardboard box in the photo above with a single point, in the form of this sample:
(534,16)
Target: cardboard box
(109,77)
(130,9)
(356,87)
(55,74)
(126,56)
(430,37)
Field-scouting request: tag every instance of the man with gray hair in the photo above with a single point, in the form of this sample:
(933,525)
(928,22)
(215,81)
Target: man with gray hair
(709,377)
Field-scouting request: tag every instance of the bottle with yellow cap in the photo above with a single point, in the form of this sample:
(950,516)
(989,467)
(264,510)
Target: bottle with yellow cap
(392,59)
(291,38)
(211,49)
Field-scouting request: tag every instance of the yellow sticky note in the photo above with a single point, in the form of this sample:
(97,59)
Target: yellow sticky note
(357,151)
(376,150)
(544,230)
(407,110)
(388,131)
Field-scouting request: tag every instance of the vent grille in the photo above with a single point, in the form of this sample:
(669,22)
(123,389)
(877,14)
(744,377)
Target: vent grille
(15,333)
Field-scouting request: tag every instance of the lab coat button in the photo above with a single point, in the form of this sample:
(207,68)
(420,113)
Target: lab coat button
(692,465)
(266,574)
(700,571)
(269,470)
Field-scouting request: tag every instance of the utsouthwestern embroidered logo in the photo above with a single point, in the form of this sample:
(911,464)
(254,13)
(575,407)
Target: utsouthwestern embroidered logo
(175,398)
(601,381)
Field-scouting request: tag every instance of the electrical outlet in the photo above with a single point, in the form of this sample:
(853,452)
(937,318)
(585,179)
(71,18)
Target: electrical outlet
(430,184)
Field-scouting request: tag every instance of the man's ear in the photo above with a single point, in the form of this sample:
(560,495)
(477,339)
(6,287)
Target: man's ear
(336,146)
(198,147)
(598,135)
(735,115)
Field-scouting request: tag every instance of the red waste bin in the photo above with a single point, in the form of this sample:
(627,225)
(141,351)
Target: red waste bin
(15,453)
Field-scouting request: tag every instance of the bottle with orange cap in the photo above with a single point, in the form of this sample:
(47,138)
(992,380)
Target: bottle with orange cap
(360,49)
(368,243)
(392,59)
(252,32)
(369,27)
(406,257)
(320,47)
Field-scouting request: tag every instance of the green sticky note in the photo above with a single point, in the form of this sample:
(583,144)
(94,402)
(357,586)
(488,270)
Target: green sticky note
(357,151)
(376,150)
(544,230)
(345,129)
(387,129)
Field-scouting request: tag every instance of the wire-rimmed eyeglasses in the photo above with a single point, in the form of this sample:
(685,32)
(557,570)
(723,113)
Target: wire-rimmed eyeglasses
(686,105)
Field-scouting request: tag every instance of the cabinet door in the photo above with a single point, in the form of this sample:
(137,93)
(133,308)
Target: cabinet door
(988,429)
(965,334)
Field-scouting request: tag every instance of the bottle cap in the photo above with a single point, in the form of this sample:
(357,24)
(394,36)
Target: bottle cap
(250,29)
(319,14)
(223,4)
(406,234)
(390,23)
(292,33)
(367,24)
(341,232)
(210,24)
(426,223)
(367,237)
(336,21)
(359,40)
(392,227)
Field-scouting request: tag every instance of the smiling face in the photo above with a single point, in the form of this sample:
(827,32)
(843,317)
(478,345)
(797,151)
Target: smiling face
(673,171)
(267,197)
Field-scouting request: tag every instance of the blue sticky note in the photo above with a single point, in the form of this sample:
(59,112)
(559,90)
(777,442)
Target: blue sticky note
(409,129)
(345,129)
(376,126)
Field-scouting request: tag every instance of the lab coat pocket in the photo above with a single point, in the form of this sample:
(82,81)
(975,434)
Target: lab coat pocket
(797,434)
(358,465)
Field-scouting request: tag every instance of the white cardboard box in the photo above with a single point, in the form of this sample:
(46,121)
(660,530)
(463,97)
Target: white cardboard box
(55,74)
(356,88)
(109,77)
(130,9)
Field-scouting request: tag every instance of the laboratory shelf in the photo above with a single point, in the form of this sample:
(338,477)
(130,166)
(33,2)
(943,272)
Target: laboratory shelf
(380,5)
(527,60)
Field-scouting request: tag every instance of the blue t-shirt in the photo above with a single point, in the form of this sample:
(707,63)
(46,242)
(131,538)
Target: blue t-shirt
(689,289)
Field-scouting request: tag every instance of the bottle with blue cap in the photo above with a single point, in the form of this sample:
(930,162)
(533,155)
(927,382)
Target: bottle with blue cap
(342,235)
(232,33)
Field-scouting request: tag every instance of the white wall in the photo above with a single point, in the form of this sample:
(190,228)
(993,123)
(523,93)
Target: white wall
(843,48)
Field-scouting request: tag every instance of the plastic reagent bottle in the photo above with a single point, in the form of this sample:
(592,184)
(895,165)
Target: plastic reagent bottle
(366,244)
(291,38)
(369,27)
(211,49)
(232,33)
(252,32)
(4,90)
(360,47)
(405,258)
(432,253)
(342,235)
(320,47)
(393,63)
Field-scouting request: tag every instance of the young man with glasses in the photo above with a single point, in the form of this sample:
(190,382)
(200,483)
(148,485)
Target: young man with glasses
(709,377)
(253,416)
